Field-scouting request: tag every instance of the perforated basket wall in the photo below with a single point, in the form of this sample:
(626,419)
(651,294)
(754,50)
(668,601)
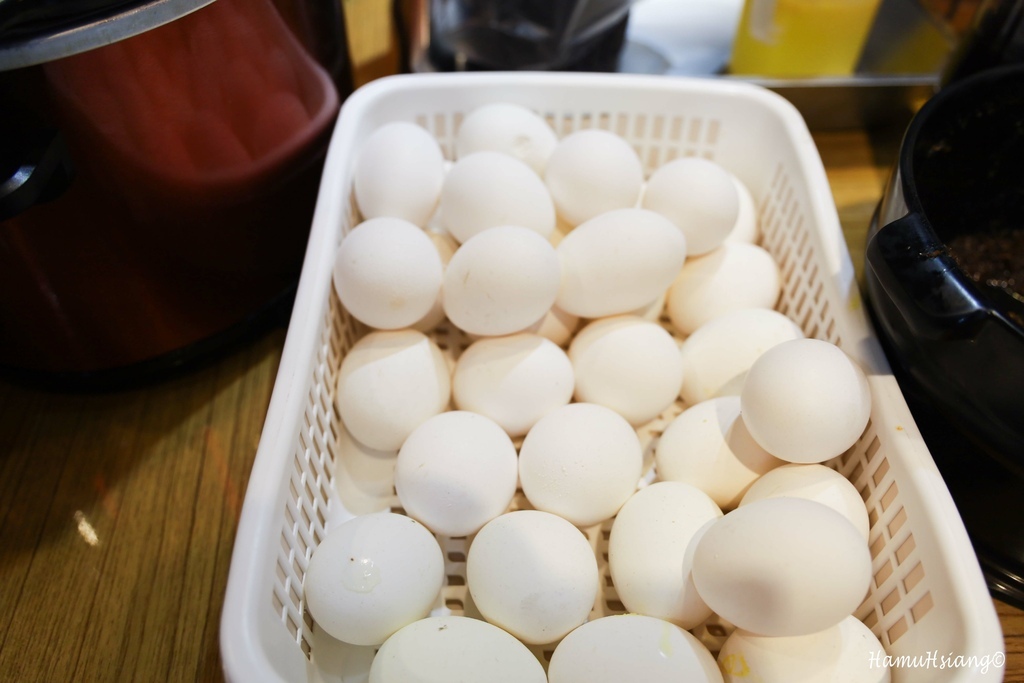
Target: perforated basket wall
(927,593)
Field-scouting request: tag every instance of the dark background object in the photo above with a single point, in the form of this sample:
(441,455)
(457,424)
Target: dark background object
(957,345)
(162,212)
(517,35)
(995,38)
(21,19)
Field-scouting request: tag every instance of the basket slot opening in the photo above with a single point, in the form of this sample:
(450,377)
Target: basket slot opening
(922,607)
(889,496)
(897,521)
(884,573)
(856,472)
(877,546)
(890,601)
(897,630)
(913,577)
(906,548)
(872,517)
(278,605)
(880,472)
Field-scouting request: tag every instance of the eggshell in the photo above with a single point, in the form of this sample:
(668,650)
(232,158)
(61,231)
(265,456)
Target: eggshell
(699,196)
(514,380)
(442,649)
(845,653)
(708,446)
(372,575)
(782,567)
(501,281)
(747,228)
(446,246)
(732,277)
(455,472)
(618,262)
(653,310)
(399,172)
(591,172)
(389,382)
(533,574)
(628,364)
(387,273)
(487,189)
(364,477)
(718,354)
(650,551)
(631,647)
(508,128)
(806,401)
(582,462)
(813,482)
(556,325)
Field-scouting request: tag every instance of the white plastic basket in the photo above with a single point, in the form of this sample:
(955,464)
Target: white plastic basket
(927,597)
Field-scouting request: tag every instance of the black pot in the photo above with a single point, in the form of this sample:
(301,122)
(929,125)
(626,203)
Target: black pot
(944,278)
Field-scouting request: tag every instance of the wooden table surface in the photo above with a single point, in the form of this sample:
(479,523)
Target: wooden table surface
(118,511)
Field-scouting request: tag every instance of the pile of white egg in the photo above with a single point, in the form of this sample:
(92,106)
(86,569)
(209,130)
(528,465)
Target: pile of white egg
(595,300)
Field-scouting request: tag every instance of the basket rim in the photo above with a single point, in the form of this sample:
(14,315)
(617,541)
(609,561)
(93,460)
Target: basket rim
(239,635)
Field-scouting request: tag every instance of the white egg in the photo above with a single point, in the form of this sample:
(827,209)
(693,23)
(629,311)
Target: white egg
(582,462)
(631,647)
(488,189)
(508,128)
(732,277)
(806,401)
(556,325)
(708,446)
(399,172)
(628,364)
(782,567)
(533,574)
(372,575)
(364,477)
(387,273)
(717,355)
(591,172)
(747,228)
(845,653)
(446,246)
(389,382)
(501,281)
(456,472)
(514,380)
(443,649)
(618,262)
(699,196)
(653,310)
(813,482)
(650,551)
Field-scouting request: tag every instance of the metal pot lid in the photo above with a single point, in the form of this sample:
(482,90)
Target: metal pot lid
(38,31)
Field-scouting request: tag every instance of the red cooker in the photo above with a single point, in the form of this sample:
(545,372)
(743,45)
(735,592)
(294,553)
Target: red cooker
(159,164)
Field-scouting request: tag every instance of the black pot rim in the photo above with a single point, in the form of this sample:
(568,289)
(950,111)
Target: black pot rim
(931,109)
(928,111)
